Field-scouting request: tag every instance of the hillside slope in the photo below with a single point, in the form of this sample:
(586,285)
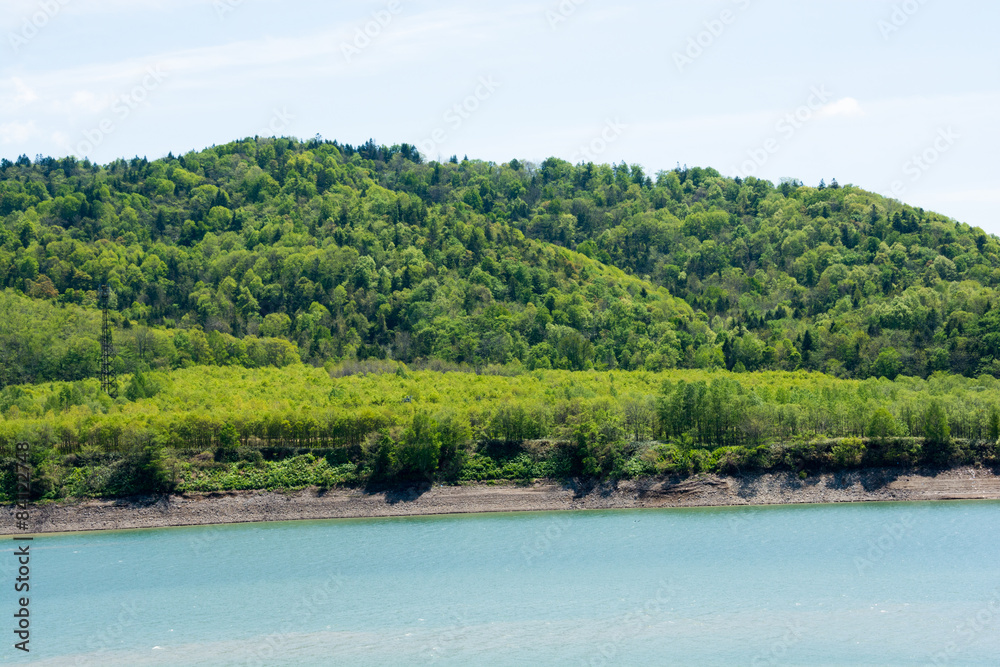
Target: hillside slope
(361,252)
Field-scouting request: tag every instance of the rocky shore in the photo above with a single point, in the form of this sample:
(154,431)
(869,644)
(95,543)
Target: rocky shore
(882,484)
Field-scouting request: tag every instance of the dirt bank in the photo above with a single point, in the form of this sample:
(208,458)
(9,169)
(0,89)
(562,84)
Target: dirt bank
(706,490)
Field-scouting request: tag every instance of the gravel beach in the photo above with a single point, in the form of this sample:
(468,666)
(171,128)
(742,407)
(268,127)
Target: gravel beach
(701,491)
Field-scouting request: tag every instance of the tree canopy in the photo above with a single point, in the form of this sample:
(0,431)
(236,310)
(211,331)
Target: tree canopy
(266,251)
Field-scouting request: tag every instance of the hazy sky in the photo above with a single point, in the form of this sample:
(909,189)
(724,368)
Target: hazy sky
(897,97)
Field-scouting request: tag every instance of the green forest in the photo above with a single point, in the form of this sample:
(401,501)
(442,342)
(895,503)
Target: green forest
(379,423)
(470,321)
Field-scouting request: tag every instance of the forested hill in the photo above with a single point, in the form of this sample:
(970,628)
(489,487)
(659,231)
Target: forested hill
(241,253)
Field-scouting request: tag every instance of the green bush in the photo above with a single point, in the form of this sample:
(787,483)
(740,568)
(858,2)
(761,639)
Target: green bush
(848,453)
(636,466)
(480,468)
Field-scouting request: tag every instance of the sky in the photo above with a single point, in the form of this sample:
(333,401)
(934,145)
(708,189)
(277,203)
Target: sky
(899,97)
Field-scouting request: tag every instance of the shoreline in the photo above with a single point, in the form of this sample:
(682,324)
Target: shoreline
(871,485)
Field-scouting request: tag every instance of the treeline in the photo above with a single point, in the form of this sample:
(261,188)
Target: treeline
(370,252)
(207,429)
(42,341)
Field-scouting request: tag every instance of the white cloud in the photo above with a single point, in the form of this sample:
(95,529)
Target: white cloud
(12,133)
(15,95)
(35,15)
(316,54)
(23,95)
(107,6)
(80,103)
(847,106)
(84,102)
(982,196)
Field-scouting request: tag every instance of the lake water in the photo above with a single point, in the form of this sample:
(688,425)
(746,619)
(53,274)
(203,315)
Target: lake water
(862,584)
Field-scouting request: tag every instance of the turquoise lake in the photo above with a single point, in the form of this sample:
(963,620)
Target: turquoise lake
(858,584)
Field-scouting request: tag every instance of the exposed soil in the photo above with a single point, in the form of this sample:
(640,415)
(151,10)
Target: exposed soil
(880,484)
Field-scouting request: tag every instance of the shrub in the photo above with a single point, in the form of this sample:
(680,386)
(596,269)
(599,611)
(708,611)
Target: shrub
(636,466)
(479,468)
(848,453)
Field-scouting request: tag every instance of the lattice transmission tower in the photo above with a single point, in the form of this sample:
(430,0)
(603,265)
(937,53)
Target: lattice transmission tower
(109,379)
